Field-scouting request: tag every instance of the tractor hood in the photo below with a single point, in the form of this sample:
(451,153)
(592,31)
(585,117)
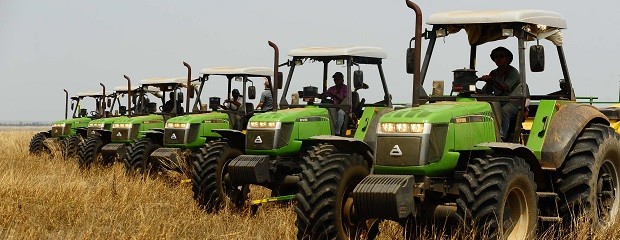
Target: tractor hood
(73,121)
(153,118)
(109,120)
(199,118)
(290,115)
(441,112)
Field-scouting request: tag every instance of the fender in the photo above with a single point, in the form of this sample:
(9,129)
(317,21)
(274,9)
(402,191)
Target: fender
(47,133)
(82,132)
(566,125)
(104,134)
(236,139)
(156,136)
(343,144)
(521,151)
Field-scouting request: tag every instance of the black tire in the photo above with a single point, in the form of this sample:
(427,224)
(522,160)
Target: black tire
(210,184)
(499,195)
(70,146)
(89,153)
(327,179)
(137,157)
(36,144)
(589,177)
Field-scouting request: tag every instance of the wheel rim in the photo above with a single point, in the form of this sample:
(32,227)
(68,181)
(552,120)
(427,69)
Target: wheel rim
(606,193)
(515,217)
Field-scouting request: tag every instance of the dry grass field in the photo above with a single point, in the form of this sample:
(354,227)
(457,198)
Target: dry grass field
(49,197)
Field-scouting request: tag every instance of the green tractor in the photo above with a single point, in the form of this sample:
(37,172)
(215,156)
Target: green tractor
(146,133)
(185,136)
(146,115)
(273,151)
(100,130)
(447,155)
(68,133)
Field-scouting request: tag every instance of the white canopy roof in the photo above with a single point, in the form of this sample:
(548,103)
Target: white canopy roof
(539,17)
(359,51)
(124,88)
(157,81)
(256,71)
(89,94)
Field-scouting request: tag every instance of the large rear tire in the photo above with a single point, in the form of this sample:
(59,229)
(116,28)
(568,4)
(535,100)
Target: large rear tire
(89,153)
(324,204)
(589,178)
(499,195)
(137,157)
(36,144)
(210,184)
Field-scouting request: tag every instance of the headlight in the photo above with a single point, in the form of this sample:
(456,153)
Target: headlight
(263,124)
(177,125)
(59,125)
(122,125)
(98,125)
(402,127)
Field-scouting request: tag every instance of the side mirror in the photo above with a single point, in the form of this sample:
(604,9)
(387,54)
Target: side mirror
(180,97)
(358,79)
(280,80)
(409,61)
(190,91)
(537,58)
(252,92)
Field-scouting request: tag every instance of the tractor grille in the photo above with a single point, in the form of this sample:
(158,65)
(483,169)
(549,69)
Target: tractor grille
(399,151)
(92,130)
(260,139)
(57,131)
(181,136)
(125,133)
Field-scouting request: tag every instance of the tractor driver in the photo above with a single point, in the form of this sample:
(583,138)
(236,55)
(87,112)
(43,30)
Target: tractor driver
(337,93)
(502,81)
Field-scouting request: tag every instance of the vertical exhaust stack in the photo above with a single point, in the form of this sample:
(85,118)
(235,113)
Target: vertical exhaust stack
(103,106)
(128,95)
(274,81)
(190,89)
(417,52)
(66,103)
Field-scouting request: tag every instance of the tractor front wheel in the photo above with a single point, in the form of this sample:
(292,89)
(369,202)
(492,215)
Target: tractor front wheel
(89,153)
(324,204)
(36,143)
(137,157)
(210,184)
(70,145)
(499,195)
(589,178)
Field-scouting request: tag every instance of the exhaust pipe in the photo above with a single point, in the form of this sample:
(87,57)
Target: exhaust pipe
(103,105)
(189,86)
(66,102)
(128,95)
(416,52)
(274,83)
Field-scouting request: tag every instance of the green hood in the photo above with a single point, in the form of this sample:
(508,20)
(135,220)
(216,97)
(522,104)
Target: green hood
(198,118)
(291,115)
(441,112)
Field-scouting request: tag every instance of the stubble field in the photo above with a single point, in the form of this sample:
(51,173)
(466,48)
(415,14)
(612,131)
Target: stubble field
(48,197)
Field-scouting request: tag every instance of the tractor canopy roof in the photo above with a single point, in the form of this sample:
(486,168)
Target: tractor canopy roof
(123,88)
(164,81)
(487,26)
(358,51)
(88,94)
(248,71)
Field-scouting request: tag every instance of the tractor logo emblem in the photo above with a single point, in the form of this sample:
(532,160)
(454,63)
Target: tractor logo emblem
(258,140)
(119,134)
(396,151)
(173,137)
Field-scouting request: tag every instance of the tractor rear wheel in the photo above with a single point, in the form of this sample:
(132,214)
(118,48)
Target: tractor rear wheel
(137,157)
(89,153)
(210,184)
(324,205)
(499,195)
(36,143)
(589,178)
